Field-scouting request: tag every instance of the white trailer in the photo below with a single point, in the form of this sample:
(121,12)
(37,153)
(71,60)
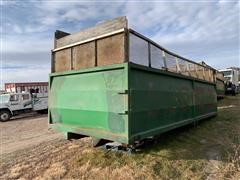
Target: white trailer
(15,103)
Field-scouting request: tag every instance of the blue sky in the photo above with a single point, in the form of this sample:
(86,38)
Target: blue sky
(202,30)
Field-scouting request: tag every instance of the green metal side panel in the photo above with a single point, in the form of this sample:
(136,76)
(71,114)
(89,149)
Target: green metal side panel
(91,102)
(127,102)
(160,101)
(220,88)
(220,93)
(205,99)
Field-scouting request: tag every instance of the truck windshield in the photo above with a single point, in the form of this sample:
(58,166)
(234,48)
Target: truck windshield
(227,73)
(4,98)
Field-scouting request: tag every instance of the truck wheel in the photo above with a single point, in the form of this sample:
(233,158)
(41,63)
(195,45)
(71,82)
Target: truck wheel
(44,111)
(4,115)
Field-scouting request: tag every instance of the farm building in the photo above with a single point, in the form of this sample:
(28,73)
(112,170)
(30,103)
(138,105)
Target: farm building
(42,87)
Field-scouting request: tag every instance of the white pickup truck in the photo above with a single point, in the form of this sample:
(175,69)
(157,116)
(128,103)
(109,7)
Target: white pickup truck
(15,103)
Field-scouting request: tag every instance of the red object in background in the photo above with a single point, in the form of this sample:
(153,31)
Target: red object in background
(21,87)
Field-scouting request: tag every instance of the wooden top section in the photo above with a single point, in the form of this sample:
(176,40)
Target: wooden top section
(98,30)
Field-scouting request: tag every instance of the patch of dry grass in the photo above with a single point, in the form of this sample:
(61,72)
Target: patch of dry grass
(17,170)
(55,171)
(208,151)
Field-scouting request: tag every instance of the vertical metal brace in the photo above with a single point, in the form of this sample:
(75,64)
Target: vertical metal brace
(52,61)
(196,70)
(164,60)
(149,55)
(194,101)
(125,96)
(209,74)
(188,69)
(95,43)
(177,65)
(126,45)
(71,66)
(204,77)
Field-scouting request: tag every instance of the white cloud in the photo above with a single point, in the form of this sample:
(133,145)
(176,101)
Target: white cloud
(35,29)
(26,44)
(176,22)
(25,75)
(53,12)
(7,3)
(194,30)
(17,29)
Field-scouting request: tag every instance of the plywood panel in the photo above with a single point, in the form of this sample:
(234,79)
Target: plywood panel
(110,50)
(62,60)
(99,29)
(172,69)
(207,74)
(84,56)
(199,74)
(212,76)
(192,70)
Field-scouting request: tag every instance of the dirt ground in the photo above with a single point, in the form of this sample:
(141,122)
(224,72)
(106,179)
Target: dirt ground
(25,131)
(29,149)
(211,150)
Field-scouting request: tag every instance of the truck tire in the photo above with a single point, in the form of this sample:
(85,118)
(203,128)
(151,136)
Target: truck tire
(4,115)
(44,111)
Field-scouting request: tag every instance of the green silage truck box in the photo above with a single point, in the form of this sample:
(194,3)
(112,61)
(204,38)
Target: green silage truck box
(109,82)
